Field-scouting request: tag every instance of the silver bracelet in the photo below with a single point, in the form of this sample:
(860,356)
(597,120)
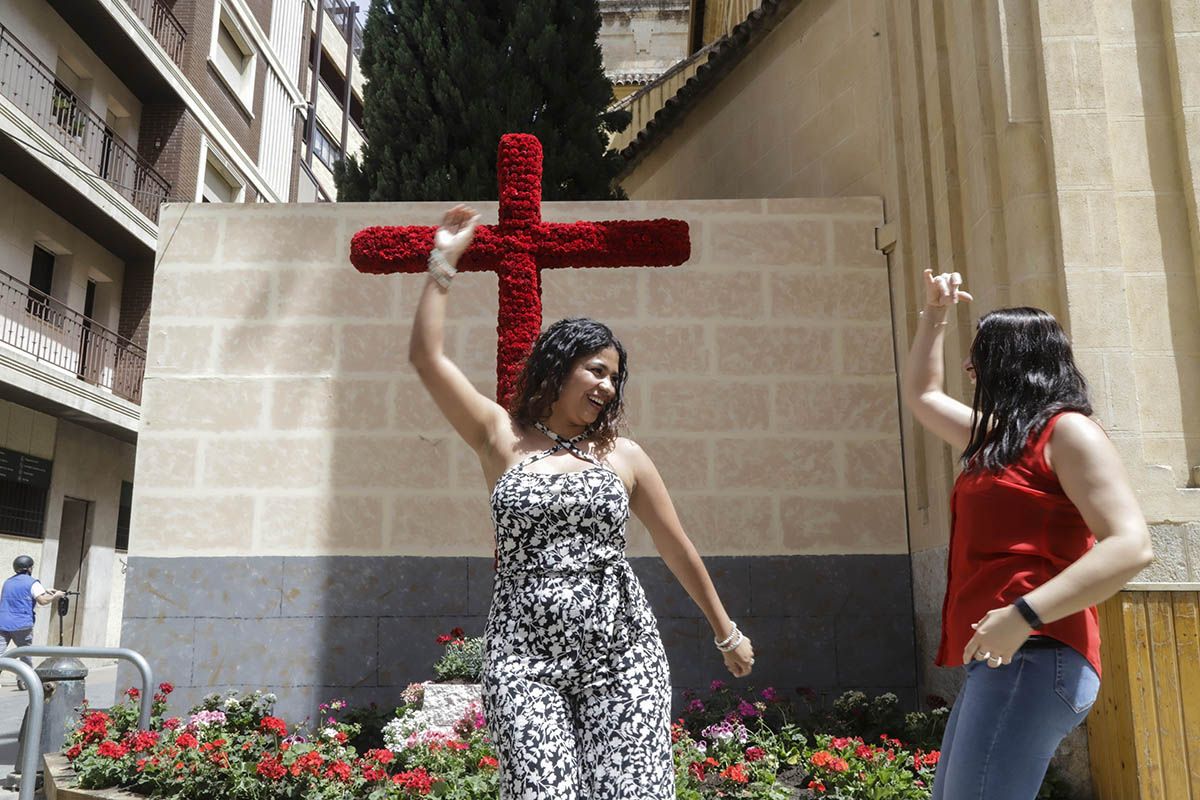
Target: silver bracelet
(734,645)
(731,641)
(440,269)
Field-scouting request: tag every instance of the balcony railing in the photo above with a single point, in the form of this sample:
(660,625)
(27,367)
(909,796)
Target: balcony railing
(163,25)
(44,328)
(339,10)
(32,86)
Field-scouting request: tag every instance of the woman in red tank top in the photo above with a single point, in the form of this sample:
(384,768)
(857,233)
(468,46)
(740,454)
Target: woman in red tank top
(1044,525)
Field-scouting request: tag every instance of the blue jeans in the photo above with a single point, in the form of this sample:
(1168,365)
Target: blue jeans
(1008,721)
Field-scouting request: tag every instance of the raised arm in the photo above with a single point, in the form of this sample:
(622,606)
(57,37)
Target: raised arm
(652,505)
(475,417)
(925,370)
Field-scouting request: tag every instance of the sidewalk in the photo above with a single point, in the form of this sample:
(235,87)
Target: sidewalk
(101,690)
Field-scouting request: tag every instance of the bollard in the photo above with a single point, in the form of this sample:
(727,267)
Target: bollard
(63,686)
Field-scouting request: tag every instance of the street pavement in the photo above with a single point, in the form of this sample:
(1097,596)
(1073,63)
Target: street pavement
(101,691)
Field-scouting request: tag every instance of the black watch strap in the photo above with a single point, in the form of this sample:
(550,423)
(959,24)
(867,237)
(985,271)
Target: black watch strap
(1028,613)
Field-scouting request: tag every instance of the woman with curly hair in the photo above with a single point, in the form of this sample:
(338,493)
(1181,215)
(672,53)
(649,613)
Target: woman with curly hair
(576,686)
(1043,526)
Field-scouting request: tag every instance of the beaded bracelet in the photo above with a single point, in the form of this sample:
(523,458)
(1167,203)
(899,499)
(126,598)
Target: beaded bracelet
(440,269)
(730,642)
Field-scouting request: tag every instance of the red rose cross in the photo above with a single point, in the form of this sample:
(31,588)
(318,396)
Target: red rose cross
(521,246)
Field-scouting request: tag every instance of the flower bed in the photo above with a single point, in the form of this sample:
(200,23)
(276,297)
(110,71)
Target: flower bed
(727,745)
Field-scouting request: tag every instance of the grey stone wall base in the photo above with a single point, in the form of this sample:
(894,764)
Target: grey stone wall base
(362,628)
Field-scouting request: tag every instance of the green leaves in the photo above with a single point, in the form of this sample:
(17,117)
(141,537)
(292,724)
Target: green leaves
(446,80)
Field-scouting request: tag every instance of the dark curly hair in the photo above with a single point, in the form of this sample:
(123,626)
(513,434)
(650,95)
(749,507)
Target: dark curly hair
(1025,373)
(553,354)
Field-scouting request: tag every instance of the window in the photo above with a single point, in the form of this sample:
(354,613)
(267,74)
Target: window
(123,513)
(22,509)
(41,279)
(233,58)
(220,184)
(24,482)
(64,103)
(324,147)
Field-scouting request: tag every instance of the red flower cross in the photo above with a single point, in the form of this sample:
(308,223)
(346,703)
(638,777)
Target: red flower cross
(521,246)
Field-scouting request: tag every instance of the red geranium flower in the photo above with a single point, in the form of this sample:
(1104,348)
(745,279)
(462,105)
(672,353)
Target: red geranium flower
(273,725)
(735,773)
(271,768)
(73,752)
(112,750)
(339,771)
(166,688)
(418,780)
(187,741)
(143,740)
(444,638)
(311,762)
(755,754)
(487,762)
(382,756)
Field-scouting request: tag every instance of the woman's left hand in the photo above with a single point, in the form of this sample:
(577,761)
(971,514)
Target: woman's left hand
(740,660)
(998,637)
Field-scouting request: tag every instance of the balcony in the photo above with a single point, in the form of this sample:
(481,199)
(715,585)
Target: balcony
(163,25)
(32,87)
(67,340)
(339,11)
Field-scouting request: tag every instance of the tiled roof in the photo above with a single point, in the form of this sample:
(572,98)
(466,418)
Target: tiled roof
(726,54)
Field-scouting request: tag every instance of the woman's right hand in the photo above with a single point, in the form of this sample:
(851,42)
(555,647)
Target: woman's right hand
(945,289)
(740,660)
(456,232)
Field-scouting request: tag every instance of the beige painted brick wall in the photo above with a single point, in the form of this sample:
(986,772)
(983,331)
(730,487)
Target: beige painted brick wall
(281,416)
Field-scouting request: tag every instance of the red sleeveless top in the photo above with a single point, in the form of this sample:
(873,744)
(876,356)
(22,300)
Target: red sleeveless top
(1010,532)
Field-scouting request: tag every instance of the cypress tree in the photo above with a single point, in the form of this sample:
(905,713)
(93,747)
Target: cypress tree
(446,79)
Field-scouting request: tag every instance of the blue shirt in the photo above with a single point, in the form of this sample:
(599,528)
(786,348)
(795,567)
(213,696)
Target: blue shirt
(16,602)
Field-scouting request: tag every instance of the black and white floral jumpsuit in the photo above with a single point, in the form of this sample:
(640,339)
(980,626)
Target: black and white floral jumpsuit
(576,688)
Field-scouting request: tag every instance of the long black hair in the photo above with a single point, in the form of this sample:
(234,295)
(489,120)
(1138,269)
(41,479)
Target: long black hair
(1025,373)
(549,363)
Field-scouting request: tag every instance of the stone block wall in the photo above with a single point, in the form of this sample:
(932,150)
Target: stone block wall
(296,488)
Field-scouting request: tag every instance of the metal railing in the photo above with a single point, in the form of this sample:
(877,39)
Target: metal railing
(32,86)
(39,325)
(339,10)
(29,755)
(163,25)
(146,702)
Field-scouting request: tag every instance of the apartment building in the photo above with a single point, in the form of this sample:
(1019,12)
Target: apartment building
(109,108)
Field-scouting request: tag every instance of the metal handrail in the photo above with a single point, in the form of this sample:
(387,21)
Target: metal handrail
(36,323)
(163,25)
(33,87)
(124,653)
(33,728)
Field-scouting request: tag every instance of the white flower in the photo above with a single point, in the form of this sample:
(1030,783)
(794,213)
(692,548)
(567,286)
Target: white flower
(330,733)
